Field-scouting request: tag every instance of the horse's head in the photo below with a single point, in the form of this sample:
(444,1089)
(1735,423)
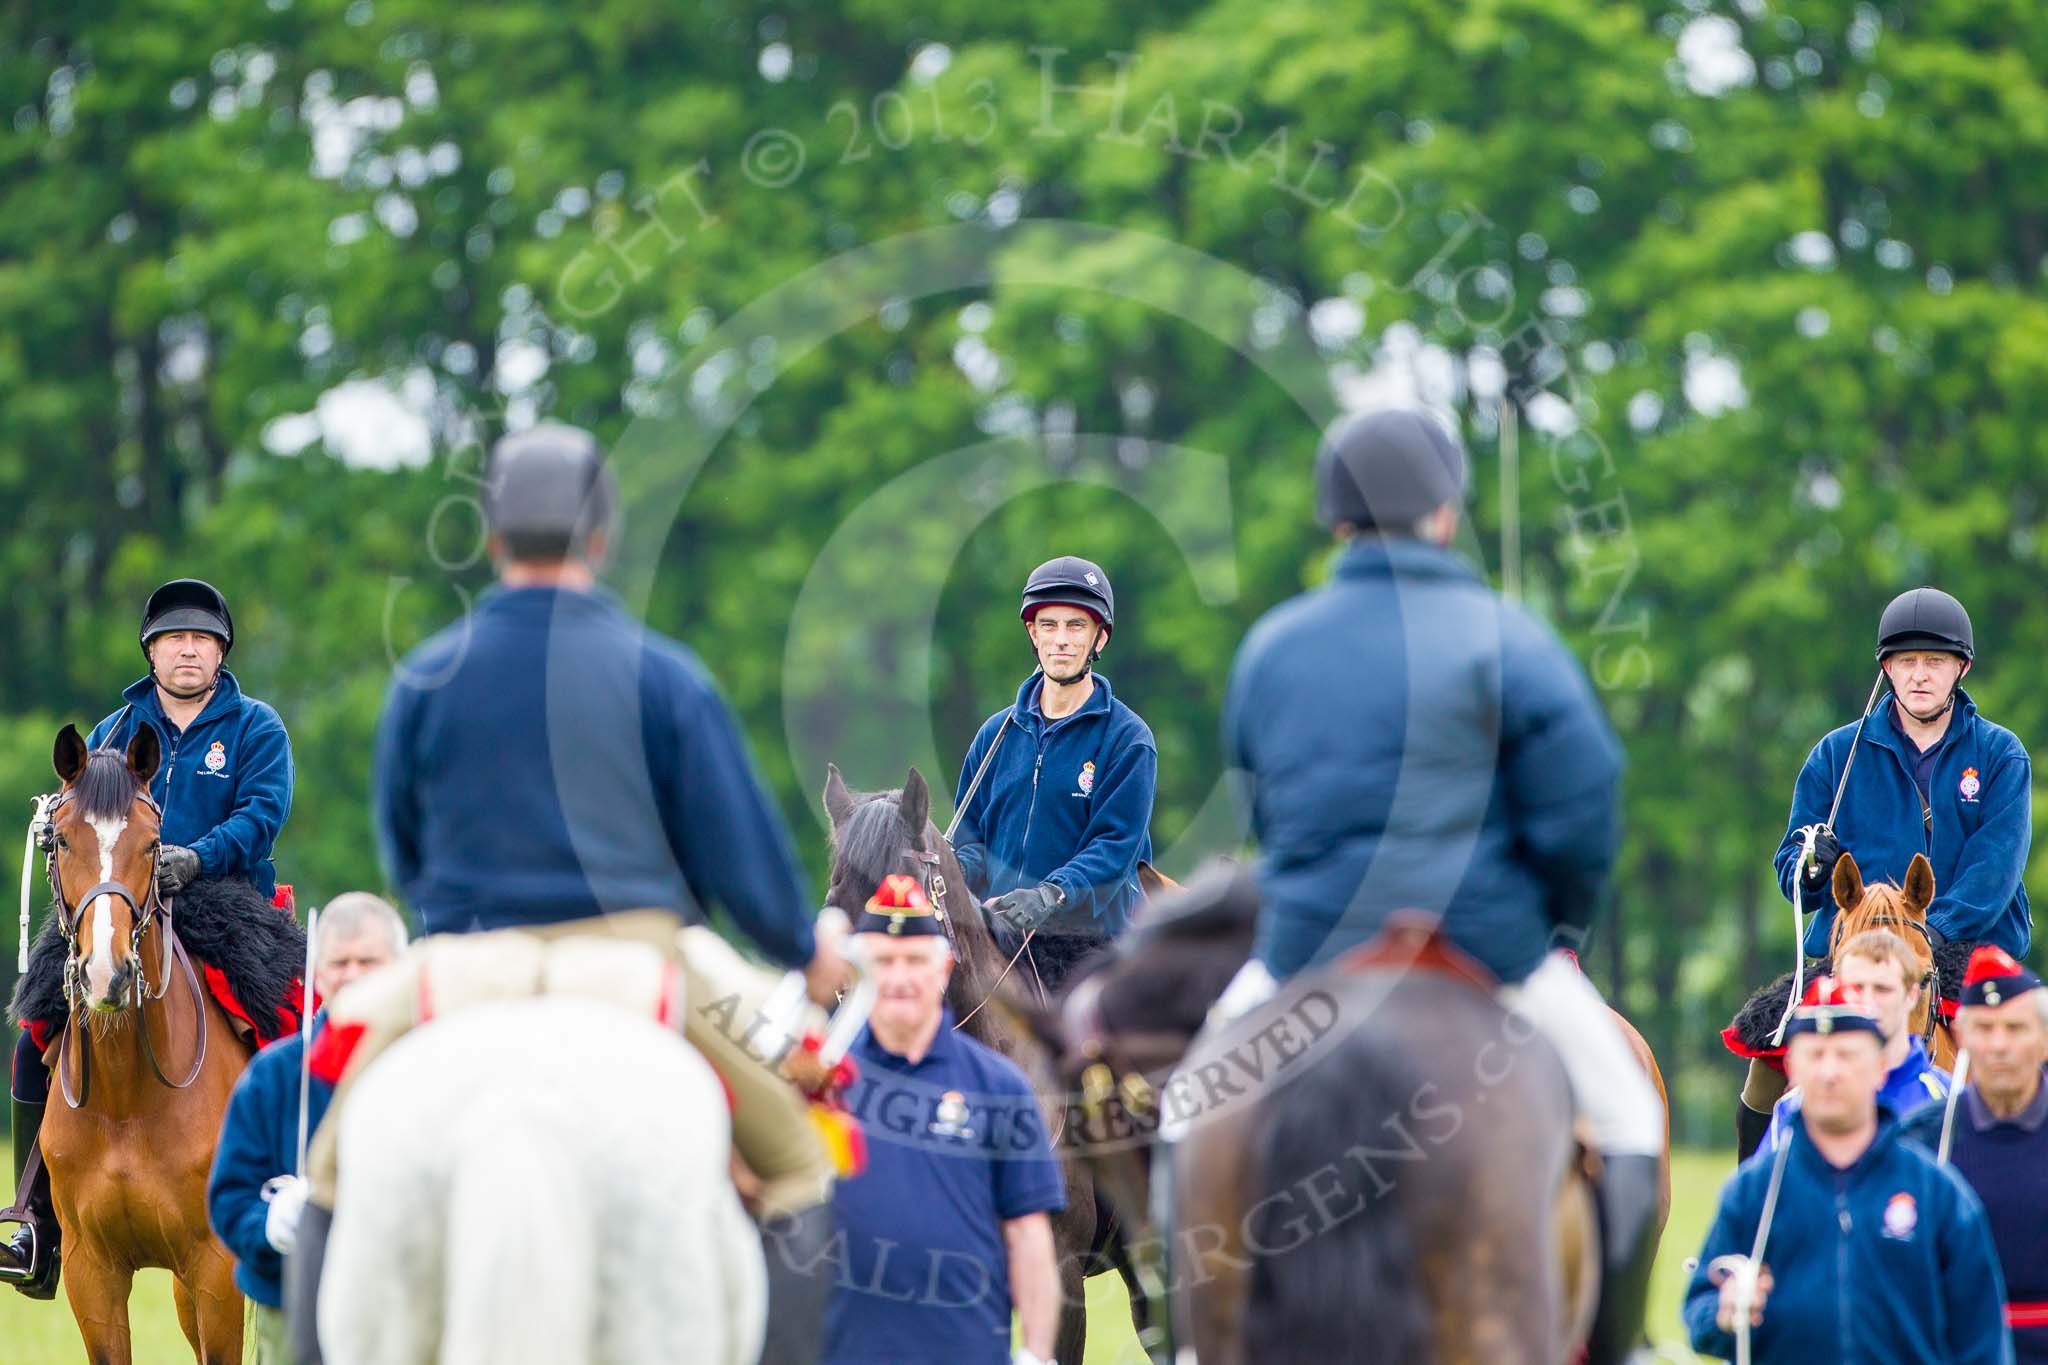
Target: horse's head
(102,847)
(877,834)
(1901,909)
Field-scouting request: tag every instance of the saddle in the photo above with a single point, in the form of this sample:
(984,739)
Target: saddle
(1415,941)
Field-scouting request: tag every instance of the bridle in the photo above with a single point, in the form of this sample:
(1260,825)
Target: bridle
(153,908)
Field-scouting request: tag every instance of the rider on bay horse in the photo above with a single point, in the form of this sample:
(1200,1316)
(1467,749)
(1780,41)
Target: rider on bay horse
(550,764)
(1052,836)
(224,786)
(1934,778)
(1409,740)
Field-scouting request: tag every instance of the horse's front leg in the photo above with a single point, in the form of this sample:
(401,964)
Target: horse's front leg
(96,1283)
(208,1276)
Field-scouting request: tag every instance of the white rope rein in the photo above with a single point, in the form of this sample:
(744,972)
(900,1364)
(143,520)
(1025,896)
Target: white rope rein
(1747,1269)
(306,1030)
(1808,835)
(36,824)
(1948,1113)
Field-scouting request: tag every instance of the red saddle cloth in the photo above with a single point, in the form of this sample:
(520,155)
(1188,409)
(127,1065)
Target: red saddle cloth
(42,1034)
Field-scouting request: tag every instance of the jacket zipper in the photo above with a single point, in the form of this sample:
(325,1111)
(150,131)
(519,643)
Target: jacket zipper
(1031,811)
(170,773)
(1842,1220)
(1926,805)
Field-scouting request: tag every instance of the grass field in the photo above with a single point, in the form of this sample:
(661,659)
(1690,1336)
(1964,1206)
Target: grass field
(43,1334)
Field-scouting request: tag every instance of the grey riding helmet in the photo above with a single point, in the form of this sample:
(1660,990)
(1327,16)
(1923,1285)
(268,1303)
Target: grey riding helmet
(547,491)
(1387,469)
(1925,618)
(187,604)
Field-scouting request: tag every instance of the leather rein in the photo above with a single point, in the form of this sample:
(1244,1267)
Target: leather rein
(156,909)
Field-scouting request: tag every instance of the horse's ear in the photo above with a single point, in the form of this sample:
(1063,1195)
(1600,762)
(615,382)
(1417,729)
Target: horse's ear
(68,758)
(916,805)
(145,752)
(838,800)
(1848,883)
(1919,886)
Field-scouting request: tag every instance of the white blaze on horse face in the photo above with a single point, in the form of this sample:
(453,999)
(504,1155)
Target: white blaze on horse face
(99,968)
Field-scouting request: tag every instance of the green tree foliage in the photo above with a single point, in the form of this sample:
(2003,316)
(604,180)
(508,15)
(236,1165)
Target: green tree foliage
(1769,321)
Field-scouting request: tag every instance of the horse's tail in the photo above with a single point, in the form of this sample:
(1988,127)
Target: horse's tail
(520,1287)
(1344,1286)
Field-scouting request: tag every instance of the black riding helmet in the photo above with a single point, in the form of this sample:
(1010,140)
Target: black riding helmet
(1073,582)
(547,491)
(187,604)
(1925,618)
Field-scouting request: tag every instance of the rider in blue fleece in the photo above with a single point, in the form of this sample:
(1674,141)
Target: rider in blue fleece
(224,787)
(1932,776)
(1052,837)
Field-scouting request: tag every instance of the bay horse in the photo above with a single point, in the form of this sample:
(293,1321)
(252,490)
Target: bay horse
(1376,1165)
(145,1065)
(875,834)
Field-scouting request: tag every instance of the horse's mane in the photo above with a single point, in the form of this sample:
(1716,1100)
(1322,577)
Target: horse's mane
(870,844)
(107,787)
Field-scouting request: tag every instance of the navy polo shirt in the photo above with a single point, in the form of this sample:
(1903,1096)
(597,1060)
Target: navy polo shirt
(956,1148)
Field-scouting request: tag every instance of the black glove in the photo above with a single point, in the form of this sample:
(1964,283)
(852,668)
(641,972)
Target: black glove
(1935,938)
(1826,848)
(176,868)
(1023,910)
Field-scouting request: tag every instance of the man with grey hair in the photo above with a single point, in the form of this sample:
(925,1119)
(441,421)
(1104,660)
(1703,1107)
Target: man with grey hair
(255,1193)
(1998,1131)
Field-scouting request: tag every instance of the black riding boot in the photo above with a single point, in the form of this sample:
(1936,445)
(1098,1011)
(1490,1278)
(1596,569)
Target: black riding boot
(1628,1197)
(302,1283)
(800,1281)
(1750,1127)
(29,1260)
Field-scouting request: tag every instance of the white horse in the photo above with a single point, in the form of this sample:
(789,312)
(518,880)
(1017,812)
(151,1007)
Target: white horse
(541,1180)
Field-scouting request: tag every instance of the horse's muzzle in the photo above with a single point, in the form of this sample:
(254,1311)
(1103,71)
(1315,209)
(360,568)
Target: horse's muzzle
(120,986)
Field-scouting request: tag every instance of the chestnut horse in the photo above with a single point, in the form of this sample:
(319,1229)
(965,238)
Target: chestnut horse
(145,1065)
(1902,910)
(875,834)
(1376,1165)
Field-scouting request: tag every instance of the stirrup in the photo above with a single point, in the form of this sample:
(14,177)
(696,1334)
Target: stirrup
(27,1272)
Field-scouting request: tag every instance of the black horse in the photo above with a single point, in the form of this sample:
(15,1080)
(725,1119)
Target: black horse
(876,834)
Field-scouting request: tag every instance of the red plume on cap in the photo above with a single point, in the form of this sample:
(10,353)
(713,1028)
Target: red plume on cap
(899,907)
(899,892)
(1994,977)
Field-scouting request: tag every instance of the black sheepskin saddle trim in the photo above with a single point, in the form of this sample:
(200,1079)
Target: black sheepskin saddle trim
(1749,1033)
(225,923)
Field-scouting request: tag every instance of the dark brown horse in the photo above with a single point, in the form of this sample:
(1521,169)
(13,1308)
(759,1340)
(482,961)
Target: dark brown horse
(875,834)
(145,1066)
(1376,1165)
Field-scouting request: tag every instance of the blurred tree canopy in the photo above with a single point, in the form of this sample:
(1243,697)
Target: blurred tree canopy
(881,310)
